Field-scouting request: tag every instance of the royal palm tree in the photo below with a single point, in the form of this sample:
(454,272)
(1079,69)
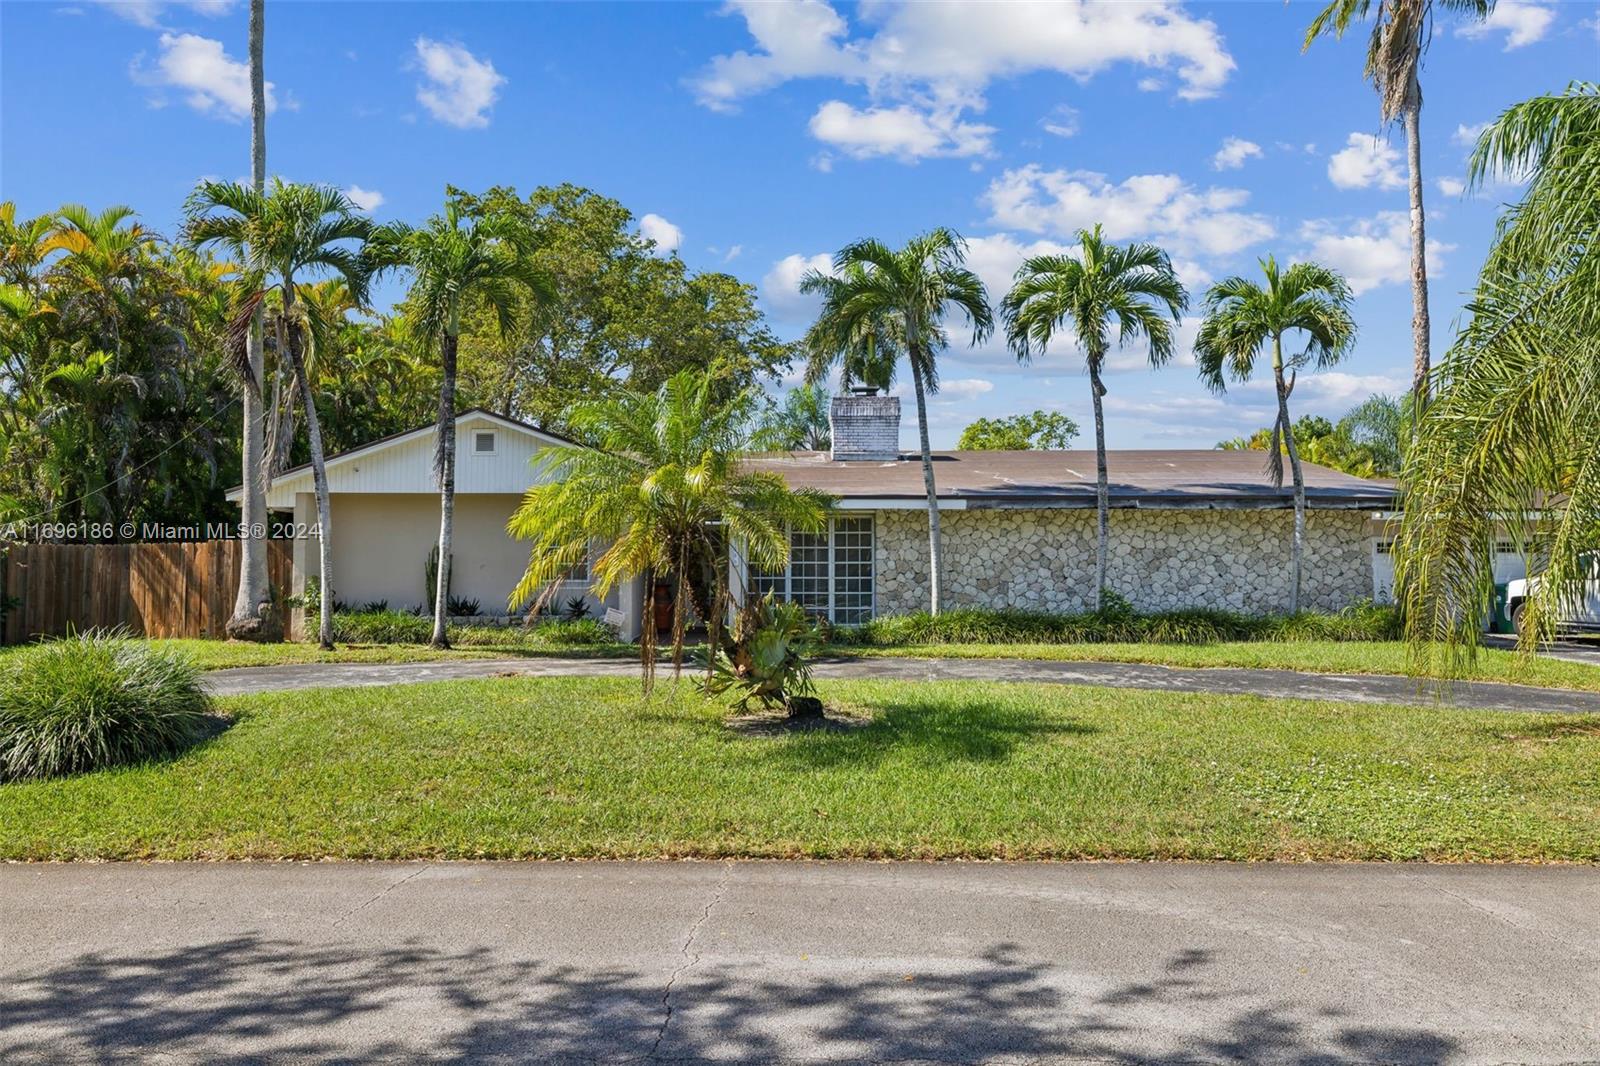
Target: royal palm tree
(453,263)
(663,488)
(1242,317)
(1401,31)
(1510,448)
(1132,287)
(286,235)
(884,294)
(254,615)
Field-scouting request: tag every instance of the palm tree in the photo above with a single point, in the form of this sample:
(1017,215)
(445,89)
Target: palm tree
(865,353)
(1242,317)
(254,615)
(1132,287)
(882,295)
(663,487)
(454,262)
(1400,34)
(286,234)
(1510,447)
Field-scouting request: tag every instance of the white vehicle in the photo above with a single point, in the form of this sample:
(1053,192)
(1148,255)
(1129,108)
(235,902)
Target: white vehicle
(1583,613)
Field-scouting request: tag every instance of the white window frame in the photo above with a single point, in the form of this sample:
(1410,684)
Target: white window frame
(783,581)
(494,442)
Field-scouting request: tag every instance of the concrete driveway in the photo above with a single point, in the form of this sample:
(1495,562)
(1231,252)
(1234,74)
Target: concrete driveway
(799,962)
(1281,684)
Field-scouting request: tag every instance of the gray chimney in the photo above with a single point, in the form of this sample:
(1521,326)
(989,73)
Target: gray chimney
(865,426)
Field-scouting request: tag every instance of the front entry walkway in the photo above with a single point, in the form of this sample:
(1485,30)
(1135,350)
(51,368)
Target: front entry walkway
(1279,684)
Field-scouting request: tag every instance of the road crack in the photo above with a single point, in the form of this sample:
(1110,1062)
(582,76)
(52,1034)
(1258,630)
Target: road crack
(356,910)
(691,957)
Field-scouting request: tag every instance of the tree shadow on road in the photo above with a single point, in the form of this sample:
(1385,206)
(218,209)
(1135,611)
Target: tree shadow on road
(249,999)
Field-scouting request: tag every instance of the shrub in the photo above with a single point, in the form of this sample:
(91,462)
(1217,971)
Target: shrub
(1119,624)
(382,627)
(404,627)
(96,700)
(769,658)
(462,607)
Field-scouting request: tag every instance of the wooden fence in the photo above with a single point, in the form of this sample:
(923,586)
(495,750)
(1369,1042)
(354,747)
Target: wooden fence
(155,590)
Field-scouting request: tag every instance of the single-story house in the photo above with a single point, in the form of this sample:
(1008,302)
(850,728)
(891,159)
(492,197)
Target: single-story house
(385,511)
(1202,528)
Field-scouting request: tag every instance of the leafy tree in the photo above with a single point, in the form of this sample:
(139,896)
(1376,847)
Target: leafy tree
(1035,431)
(906,293)
(1243,317)
(800,423)
(621,313)
(285,235)
(452,260)
(1367,442)
(1401,32)
(1511,444)
(1131,287)
(664,490)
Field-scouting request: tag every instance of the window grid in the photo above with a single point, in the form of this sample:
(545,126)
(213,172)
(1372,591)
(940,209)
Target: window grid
(829,573)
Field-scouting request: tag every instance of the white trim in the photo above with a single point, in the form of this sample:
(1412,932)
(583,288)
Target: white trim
(917,503)
(283,482)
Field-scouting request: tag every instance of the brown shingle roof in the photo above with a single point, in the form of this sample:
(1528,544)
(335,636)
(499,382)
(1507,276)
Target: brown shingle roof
(1138,478)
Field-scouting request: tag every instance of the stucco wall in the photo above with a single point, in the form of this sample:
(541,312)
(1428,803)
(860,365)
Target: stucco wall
(1044,560)
(381,543)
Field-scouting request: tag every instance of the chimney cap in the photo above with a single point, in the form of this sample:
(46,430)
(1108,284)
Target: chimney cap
(864,390)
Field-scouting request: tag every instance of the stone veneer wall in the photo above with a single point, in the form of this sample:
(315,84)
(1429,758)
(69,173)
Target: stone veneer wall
(1043,560)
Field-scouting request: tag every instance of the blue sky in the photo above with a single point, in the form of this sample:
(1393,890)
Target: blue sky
(758,139)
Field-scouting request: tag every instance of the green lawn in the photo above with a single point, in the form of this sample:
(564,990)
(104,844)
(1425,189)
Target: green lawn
(584,767)
(1312,656)
(227,654)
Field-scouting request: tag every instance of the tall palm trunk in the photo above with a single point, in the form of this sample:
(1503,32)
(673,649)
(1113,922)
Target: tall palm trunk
(319,475)
(1102,487)
(1297,548)
(934,554)
(445,466)
(1420,359)
(254,614)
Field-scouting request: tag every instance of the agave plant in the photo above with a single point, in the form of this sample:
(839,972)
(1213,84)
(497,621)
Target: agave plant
(769,658)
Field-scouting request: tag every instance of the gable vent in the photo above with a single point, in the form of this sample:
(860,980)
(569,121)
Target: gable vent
(483,443)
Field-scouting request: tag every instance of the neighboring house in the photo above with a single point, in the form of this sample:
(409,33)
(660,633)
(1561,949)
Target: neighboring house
(1192,528)
(1195,528)
(385,502)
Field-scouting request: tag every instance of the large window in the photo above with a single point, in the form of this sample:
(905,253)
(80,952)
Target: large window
(829,574)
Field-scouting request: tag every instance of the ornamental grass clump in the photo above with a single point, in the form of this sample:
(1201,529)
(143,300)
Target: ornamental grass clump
(96,700)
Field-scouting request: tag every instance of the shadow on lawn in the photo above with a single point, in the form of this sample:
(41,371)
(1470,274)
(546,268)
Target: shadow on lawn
(249,999)
(969,731)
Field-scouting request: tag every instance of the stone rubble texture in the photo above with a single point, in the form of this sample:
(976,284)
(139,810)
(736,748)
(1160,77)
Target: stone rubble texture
(1043,560)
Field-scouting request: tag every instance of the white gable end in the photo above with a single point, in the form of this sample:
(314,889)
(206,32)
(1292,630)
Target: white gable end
(493,455)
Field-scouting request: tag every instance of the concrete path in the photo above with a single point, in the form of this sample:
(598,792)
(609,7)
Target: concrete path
(799,962)
(1284,684)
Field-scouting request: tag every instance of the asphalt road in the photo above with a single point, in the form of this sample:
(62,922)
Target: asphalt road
(1283,684)
(799,962)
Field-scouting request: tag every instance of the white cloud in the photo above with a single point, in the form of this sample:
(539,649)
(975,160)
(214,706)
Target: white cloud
(1367,161)
(1371,253)
(1233,153)
(964,388)
(1061,121)
(995,259)
(147,13)
(213,82)
(1522,22)
(1466,135)
(780,288)
(938,59)
(1151,85)
(1330,392)
(460,87)
(904,132)
(1452,186)
(368,200)
(1158,206)
(666,236)
(733,253)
